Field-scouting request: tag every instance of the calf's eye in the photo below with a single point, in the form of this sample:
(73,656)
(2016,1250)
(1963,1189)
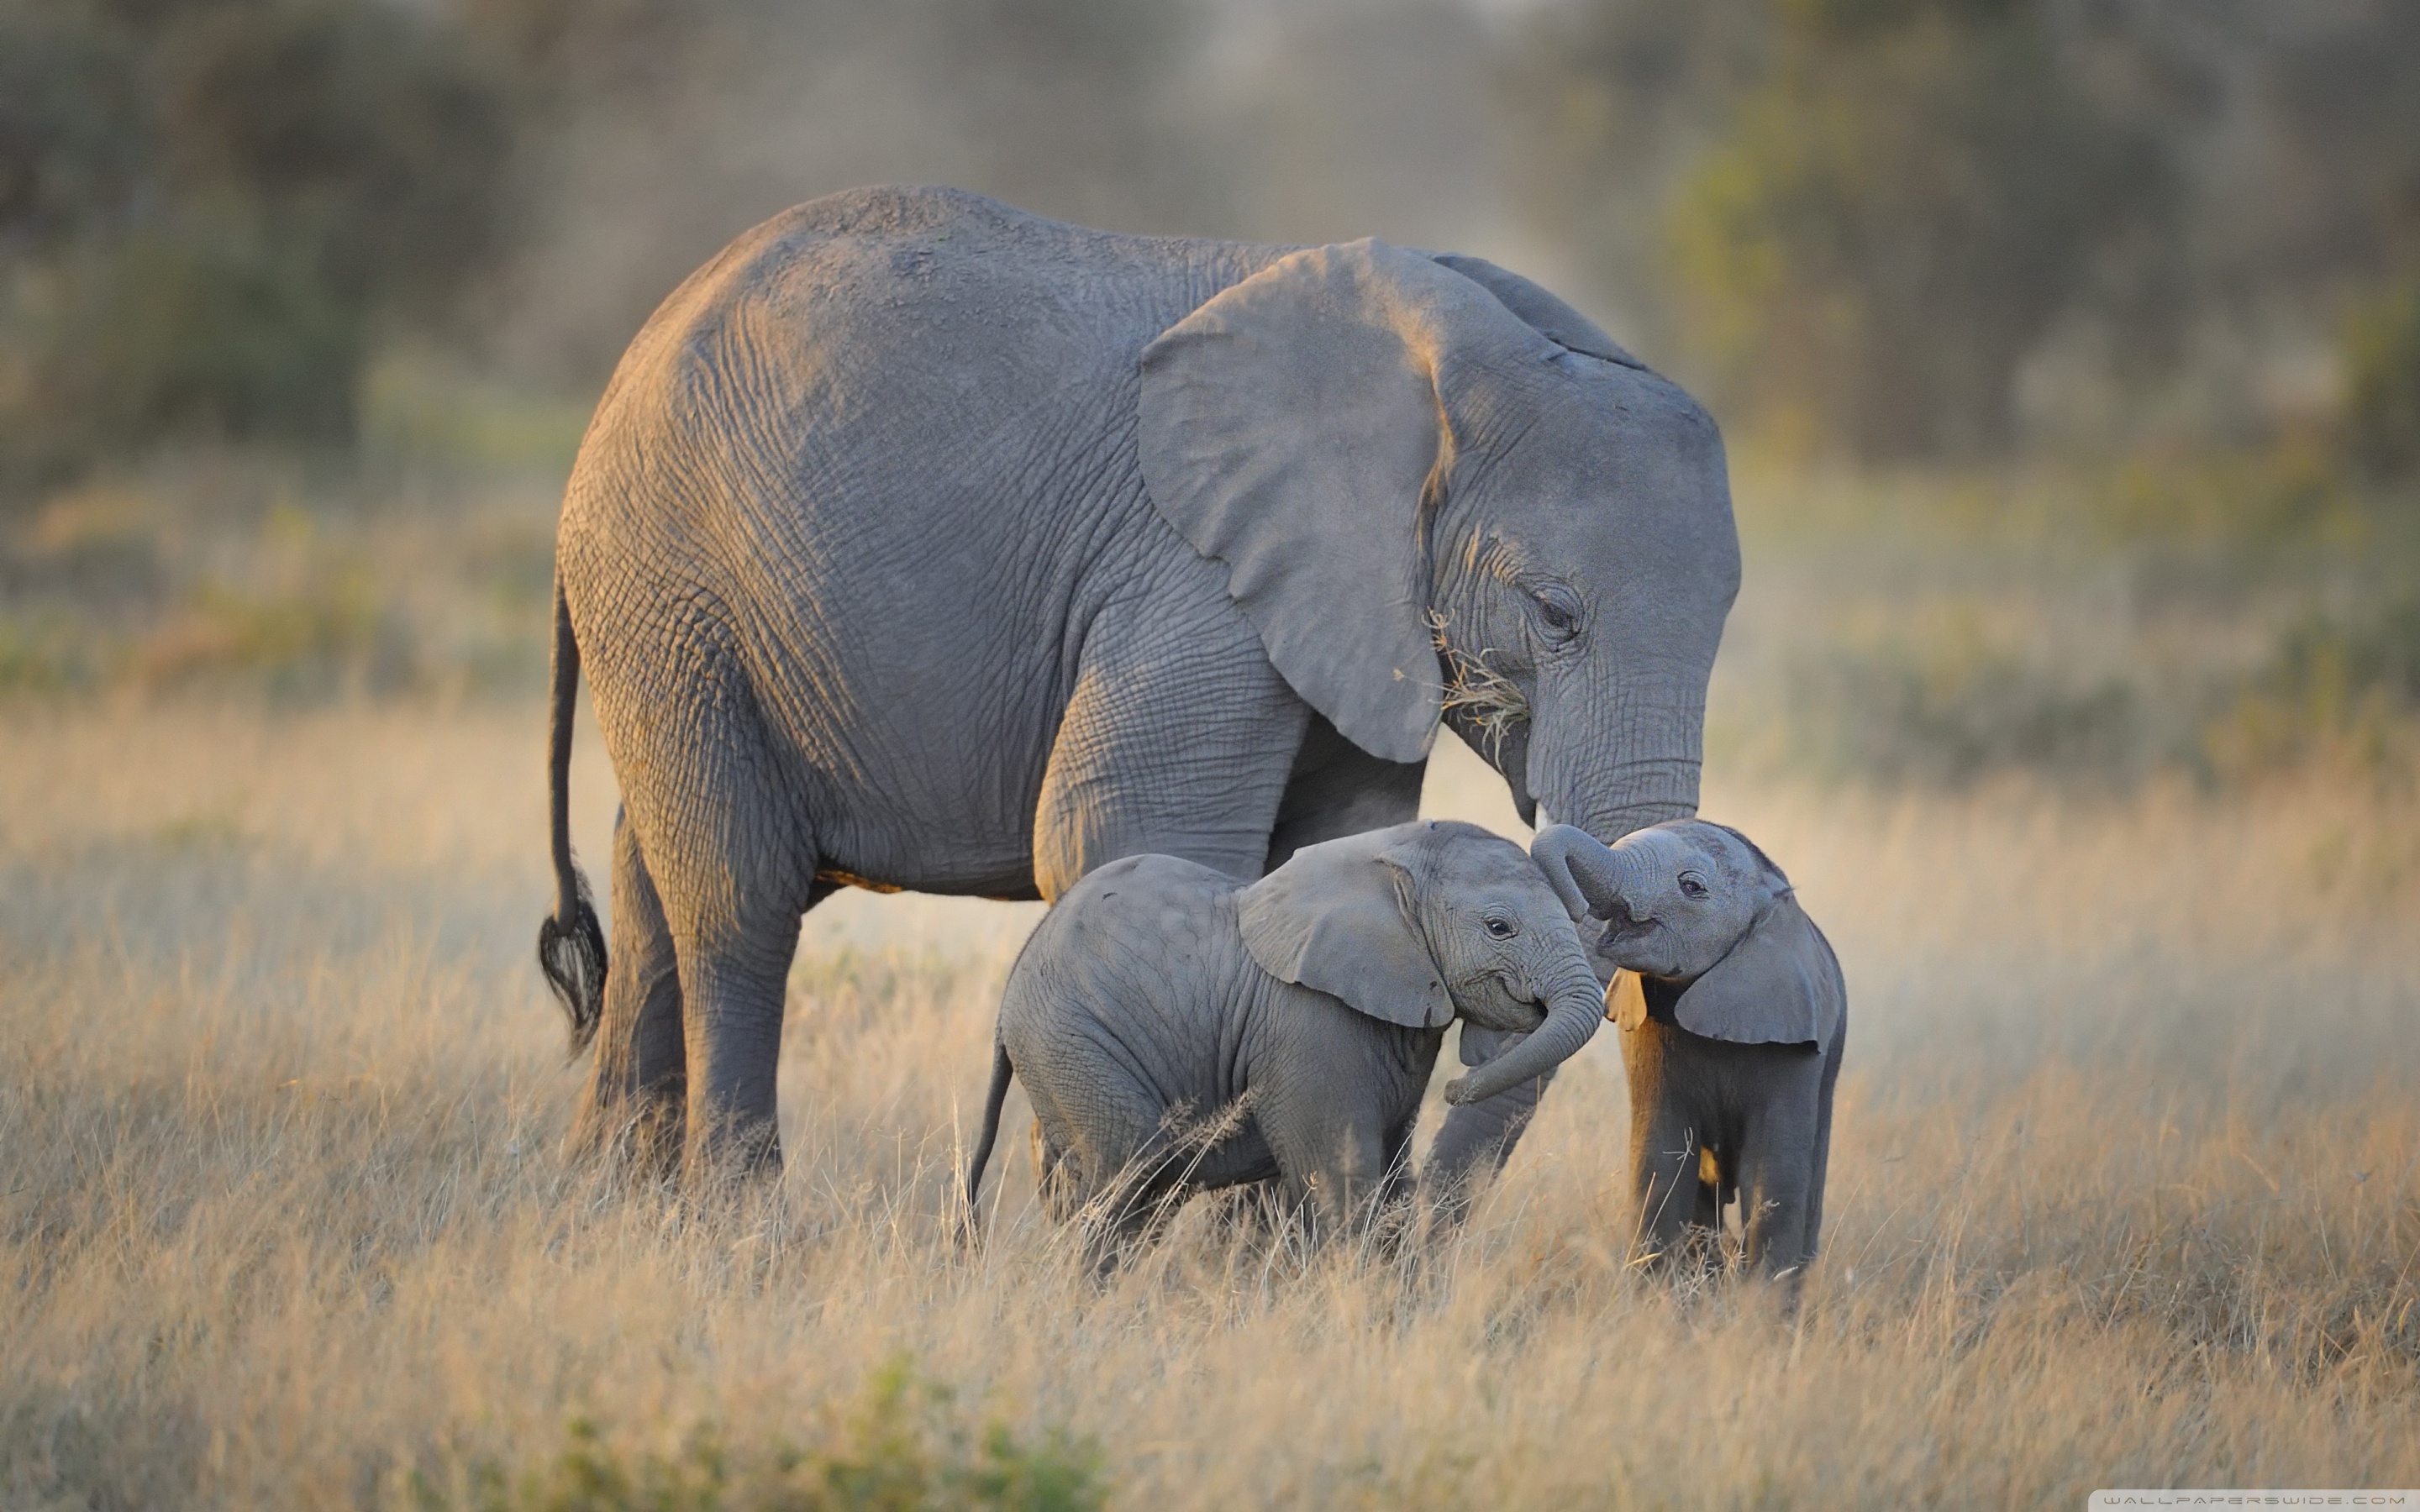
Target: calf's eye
(1691,886)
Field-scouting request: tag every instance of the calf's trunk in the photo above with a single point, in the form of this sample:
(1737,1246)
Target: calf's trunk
(1573,1014)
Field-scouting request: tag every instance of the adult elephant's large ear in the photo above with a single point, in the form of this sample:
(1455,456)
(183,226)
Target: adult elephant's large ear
(1337,919)
(1547,315)
(1780,984)
(1292,428)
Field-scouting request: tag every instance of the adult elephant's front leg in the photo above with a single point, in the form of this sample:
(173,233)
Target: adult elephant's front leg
(1177,739)
(1336,789)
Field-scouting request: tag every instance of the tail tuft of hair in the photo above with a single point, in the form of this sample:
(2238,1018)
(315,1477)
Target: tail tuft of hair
(571,953)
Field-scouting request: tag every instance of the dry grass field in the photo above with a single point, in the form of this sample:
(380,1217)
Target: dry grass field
(2068,359)
(2127,1184)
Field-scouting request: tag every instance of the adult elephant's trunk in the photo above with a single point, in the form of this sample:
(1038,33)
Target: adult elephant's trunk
(1573,1013)
(1612,764)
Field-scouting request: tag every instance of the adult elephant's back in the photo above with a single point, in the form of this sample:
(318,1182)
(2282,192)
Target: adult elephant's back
(872,467)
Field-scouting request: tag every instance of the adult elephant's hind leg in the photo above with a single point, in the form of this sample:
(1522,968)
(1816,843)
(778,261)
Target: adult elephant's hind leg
(632,1105)
(735,964)
(734,863)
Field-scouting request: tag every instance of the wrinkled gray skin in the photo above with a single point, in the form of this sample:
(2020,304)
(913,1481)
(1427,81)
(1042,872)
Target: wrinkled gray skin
(918,543)
(1158,993)
(1734,1058)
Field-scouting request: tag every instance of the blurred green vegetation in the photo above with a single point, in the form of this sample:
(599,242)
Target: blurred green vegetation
(1907,229)
(2347,690)
(1888,230)
(1948,704)
(237,575)
(2382,380)
(2070,353)
(2215,615)
(212,210)
(909,1446)
(1903,210)
(219,218)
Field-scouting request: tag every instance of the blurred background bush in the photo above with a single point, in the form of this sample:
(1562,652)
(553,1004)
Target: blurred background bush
(2069,349)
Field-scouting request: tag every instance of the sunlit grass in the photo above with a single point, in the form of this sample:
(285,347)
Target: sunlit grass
(2124,1194)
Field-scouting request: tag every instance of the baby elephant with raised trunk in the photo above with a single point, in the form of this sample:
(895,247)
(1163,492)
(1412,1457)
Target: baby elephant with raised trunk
(1734,1043)
(1159,996)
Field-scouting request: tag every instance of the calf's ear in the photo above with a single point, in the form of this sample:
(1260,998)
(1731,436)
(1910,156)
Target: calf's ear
(1780,984)
(1337,919)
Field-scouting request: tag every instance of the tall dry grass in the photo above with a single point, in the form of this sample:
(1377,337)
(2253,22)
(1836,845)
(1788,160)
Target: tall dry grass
(2126,1189)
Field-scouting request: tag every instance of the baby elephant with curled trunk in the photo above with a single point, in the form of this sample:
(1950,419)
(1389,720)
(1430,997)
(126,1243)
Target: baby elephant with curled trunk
(1732,1030)
(1307,1007)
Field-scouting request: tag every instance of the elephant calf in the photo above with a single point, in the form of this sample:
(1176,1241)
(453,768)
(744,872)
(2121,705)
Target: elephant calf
(1307,1008)
(1731,1031)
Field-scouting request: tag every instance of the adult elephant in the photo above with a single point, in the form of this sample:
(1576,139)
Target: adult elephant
(920,543)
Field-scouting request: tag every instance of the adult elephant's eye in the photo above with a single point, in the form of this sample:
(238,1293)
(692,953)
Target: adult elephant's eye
(1558,610)
(1503,929)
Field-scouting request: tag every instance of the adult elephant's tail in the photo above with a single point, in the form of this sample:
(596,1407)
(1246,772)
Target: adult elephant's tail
(570,944)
